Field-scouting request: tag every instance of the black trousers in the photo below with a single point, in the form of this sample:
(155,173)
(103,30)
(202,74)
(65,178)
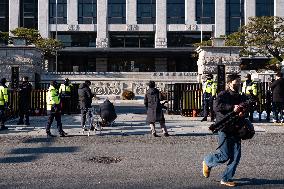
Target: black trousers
(2,116)
(55,112)
(24,112)
(66,104)
(208,105)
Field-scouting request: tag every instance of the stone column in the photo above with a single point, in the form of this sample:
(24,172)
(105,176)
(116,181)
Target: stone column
(102,25)
(220,18)
(161,24)
(14,14)
(101,64)
(190,11)
(43,22)
(249,8)
(131,11)
(72,12)
(161,65)
(279,8)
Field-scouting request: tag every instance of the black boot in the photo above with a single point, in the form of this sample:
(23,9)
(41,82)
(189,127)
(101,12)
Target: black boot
(48,133)
(204,119)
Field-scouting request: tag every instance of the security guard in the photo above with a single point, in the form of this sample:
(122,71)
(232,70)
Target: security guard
(249,89)
(209,93)
(3,102)
(53,109)
(65,93)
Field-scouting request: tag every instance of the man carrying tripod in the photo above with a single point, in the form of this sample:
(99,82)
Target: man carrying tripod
(229,142)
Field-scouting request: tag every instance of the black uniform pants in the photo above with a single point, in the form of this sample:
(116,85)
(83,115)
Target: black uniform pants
(66,104)
(55,112)
(2,116)
(24,112)
(208,105)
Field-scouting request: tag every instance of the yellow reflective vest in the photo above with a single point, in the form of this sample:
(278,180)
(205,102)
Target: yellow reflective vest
(249,86)
(65,88)
(3,95)
(210,87)
(52,97)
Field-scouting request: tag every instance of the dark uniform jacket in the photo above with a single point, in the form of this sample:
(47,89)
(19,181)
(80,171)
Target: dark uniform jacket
(25,90)
(277,88)
(85,96)
(153,106)
(107,111)
(225,102)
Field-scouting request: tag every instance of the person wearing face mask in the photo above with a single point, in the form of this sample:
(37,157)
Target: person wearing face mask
(229,143)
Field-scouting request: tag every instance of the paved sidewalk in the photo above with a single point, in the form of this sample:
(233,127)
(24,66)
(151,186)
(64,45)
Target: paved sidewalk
(129,124)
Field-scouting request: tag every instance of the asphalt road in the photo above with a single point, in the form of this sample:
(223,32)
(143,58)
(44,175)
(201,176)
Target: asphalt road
(135,161)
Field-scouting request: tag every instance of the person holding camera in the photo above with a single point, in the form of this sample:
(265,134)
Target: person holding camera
(54,109)
(154,109)
(229,142)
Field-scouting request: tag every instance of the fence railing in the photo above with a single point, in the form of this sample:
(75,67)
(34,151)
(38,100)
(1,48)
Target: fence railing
(186,99)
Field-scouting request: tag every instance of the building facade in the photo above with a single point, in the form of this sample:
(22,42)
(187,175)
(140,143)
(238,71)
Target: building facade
(131,35)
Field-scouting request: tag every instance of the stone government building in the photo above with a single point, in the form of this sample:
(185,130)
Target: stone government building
(127,42)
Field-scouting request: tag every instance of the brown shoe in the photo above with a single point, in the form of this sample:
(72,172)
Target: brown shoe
(206,170)
(228,183)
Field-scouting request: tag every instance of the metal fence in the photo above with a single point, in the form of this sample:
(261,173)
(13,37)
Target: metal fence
(186,99)
(38,102)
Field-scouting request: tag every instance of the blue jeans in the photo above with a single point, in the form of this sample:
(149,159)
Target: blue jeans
(86,114)
(229,150)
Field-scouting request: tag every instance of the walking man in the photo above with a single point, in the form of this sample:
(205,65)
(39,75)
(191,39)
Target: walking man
(25,90)
(209,93)
(85,100)
(3,103)
(154,109)
(229,143)
(277,88)
(54,109)
(65,94)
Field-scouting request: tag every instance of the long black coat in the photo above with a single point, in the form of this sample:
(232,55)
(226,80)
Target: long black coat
(277,88)
(153,106)
(85,96)
(25,90)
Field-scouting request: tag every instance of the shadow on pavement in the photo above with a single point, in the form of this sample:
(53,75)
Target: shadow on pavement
(256,181)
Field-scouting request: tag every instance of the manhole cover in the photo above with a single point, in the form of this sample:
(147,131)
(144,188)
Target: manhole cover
(106,160)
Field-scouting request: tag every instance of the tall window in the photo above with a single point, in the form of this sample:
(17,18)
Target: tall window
(28,14)
(234,15)
(132,40)
(61,11)
(175,12)
(264,8)
(146,11)
(87,10)
(116,12)
(205,11)
(4,15)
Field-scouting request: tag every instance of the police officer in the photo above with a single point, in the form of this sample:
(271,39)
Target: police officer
(65,93)
(209,93)
(53,109)
(3,102)
(25,90)
(249,89)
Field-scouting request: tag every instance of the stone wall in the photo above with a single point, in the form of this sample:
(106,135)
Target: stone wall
(28,59)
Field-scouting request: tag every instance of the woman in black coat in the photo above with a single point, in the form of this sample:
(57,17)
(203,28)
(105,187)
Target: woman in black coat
(277,88)
(154,109)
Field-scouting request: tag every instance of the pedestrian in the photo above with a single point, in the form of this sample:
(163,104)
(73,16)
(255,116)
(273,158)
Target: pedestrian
(209,93)
(229,143)
(65,94)
(249,89)
(54,109)
(85,100)
(154,109)
(277,88)
(107,112)
(24,90)
(3,103)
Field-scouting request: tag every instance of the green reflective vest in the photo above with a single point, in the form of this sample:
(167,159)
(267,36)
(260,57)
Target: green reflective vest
(52,97)
(3,95)
(210,87)
(249,86)
(65,88)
